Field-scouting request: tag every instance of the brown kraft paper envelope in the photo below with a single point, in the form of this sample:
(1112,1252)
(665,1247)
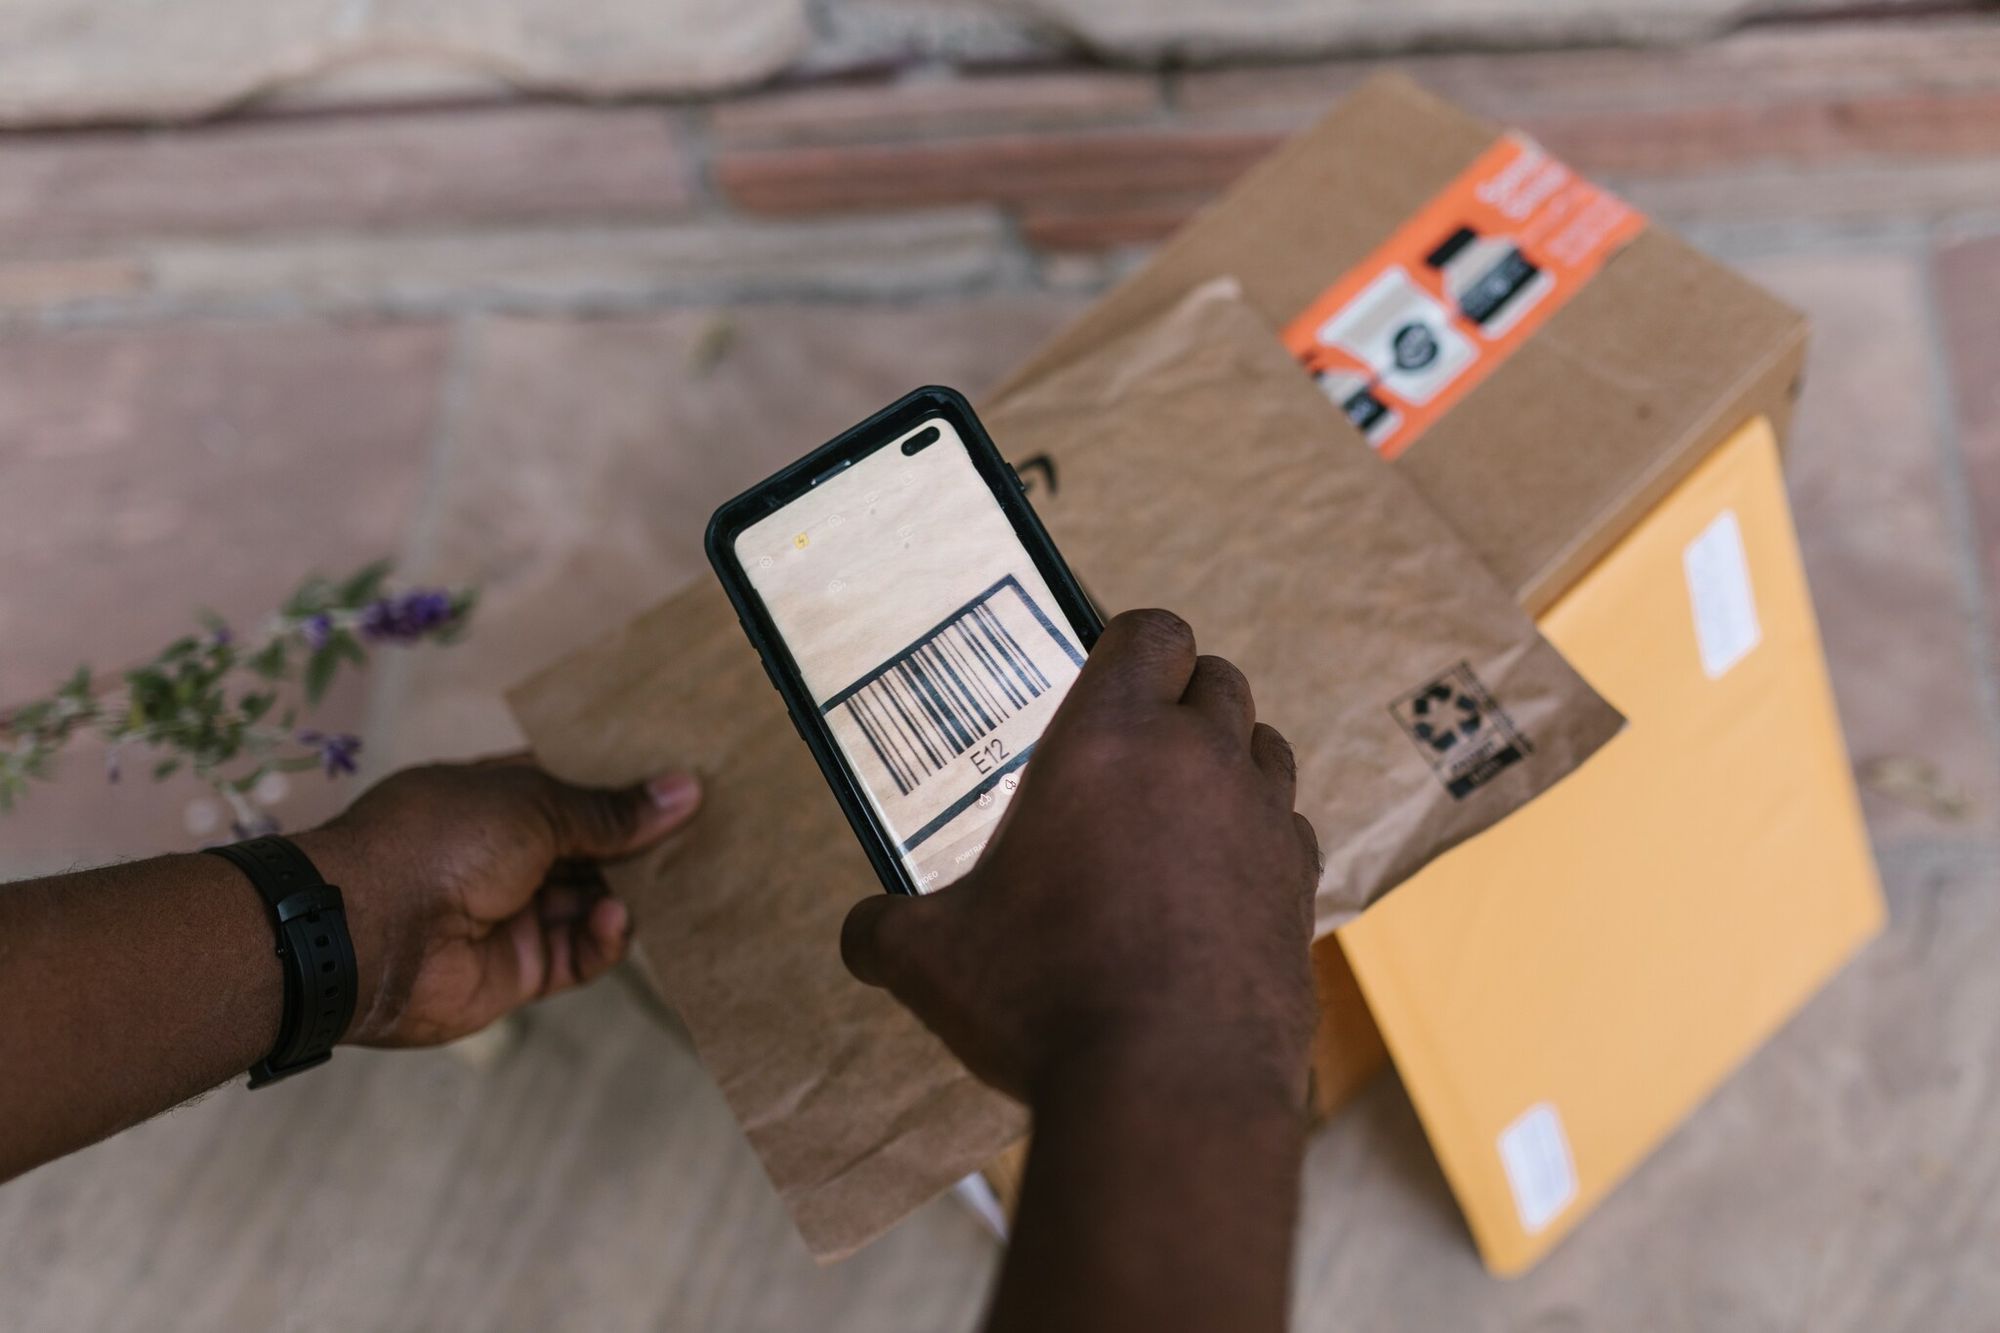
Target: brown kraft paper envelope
(1199,469)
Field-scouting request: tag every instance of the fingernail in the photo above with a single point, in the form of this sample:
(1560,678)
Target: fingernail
(616,918)
(674,793)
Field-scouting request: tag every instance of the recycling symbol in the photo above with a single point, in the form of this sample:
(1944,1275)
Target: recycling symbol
(1444,714)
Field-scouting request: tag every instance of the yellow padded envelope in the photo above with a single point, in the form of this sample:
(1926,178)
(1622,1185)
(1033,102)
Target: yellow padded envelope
(1563,990)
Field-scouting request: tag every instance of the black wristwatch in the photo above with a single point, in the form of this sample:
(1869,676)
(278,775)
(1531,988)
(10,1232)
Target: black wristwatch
(313,947)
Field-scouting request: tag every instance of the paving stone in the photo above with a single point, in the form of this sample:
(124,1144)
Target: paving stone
(1214,30)
(75,61)
(593,1182)
(873,35)
(93,61)
(1005,168)
(589,454)
(1864,465)
(150,473)
(1968,287)
(383,82)
(919,107)
(604,48)
(505,164)
(1840,1180)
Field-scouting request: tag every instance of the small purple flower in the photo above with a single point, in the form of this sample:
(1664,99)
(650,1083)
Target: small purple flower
(316,630)
(112,771)
(221,637)
(407,618)
(336,751)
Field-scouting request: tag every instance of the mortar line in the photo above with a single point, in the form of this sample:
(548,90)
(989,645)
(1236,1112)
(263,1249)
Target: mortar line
(1961,520)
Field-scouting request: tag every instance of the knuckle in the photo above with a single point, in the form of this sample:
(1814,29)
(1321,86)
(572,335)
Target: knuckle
(1275,749)
(1160,629)
(588,816)
(1309,839)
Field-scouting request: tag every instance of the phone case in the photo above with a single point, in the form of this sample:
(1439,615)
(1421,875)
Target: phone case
(891,422)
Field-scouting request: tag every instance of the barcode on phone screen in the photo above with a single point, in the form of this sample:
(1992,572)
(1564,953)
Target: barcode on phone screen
(948,691)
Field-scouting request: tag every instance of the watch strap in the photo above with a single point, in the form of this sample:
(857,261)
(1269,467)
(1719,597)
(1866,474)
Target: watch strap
(314,948)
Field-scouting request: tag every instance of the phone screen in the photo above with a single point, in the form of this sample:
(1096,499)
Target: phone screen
(929,641)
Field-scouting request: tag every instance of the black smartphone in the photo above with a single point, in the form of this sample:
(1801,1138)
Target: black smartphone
(917,621)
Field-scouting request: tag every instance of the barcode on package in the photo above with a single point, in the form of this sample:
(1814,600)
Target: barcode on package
(958,701)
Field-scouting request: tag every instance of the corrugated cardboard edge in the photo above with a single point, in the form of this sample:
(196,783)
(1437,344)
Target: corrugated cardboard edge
(1767,388)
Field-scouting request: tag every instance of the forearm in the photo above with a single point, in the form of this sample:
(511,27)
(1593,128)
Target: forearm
(1161,1193)
(127,990)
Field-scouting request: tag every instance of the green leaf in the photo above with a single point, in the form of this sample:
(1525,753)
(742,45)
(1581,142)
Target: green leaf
(463,603)
(165,769)
(77,687)
(365,584)
(319,673)
(255,705)
(344,645)
(31,717)
(269,661)
(315,595)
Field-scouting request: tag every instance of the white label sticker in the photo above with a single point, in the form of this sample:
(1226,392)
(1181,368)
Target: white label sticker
(1535,1152)
(1725,609)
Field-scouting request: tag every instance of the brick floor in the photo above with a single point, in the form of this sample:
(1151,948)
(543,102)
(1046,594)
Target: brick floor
(152,472)
(1866,469)
(589,455)
(1968,286)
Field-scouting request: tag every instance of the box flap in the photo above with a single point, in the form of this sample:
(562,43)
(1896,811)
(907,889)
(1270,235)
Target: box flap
(1584,428)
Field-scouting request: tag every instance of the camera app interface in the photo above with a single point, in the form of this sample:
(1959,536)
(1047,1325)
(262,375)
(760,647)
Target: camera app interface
(934,649)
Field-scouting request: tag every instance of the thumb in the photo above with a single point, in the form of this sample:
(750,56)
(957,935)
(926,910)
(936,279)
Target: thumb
(881,940)
(601,823)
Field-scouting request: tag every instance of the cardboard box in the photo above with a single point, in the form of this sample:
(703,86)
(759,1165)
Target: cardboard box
(1583,427)
(1537,988)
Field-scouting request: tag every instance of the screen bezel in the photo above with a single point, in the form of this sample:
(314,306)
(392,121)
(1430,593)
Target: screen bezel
(879,431)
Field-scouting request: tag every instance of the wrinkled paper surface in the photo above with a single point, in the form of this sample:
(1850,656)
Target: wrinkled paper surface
(1198,469)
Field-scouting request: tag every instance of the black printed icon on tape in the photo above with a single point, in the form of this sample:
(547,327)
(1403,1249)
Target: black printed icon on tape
(1461,733)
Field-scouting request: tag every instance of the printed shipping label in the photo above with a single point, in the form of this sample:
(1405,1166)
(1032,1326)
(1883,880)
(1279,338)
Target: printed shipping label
(1725,609)
(1439,305)
(1534,1151)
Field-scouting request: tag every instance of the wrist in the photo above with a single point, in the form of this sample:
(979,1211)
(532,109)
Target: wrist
(339,859)
(1233,1070)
